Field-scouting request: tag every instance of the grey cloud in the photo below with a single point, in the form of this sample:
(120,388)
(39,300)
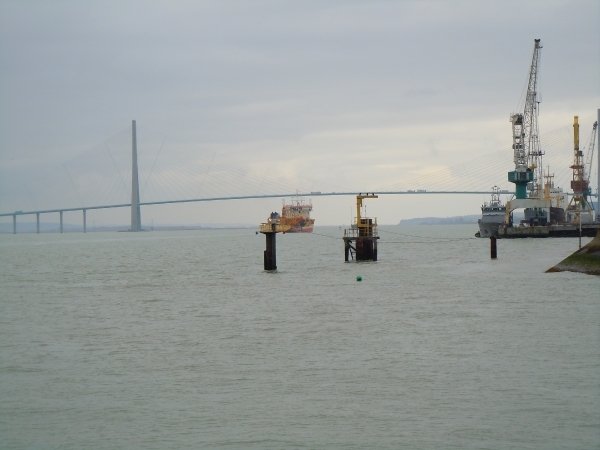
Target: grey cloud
(230,74)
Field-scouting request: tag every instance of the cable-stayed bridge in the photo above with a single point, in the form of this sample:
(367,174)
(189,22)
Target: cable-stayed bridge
(106,177)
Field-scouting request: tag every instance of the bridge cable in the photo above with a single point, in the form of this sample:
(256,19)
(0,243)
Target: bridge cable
(116,167)
(74,187)
(205,174)
(152,168)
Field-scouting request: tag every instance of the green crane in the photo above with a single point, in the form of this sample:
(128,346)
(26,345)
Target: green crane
(526,146)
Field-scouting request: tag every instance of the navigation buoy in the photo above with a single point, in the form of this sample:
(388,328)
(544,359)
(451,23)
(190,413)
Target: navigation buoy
(358,278)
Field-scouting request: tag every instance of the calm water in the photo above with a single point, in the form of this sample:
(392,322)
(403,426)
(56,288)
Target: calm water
(180,340)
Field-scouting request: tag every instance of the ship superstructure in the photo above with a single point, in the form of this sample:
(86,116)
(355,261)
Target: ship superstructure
(557,197)
(492,215)
(294,218)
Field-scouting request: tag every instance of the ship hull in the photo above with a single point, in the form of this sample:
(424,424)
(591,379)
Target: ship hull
(488,229)
(300,230)
(491,221)
(297,226)
(544,231)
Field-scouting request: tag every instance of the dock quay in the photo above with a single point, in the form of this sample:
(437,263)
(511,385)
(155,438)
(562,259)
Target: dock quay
(543,231)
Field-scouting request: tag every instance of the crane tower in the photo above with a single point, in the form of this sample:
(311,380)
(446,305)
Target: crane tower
(587,170)
(579,209)
(528,173)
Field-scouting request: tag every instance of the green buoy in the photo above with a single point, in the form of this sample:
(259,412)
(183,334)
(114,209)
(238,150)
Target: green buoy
(358,278)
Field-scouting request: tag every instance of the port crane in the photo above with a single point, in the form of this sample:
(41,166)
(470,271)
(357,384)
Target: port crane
(578,205)
(528,171)
(588,165)
(528,174)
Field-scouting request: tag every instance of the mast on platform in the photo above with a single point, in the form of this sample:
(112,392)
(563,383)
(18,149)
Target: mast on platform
(363,234)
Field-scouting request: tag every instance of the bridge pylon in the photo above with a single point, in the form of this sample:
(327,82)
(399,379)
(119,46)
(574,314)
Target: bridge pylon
(136,217)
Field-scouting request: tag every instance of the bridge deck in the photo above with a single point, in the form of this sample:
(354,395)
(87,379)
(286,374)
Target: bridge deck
(241,197)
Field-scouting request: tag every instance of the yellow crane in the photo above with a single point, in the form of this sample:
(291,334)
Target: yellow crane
(361,238)
(363,223)
(578,205)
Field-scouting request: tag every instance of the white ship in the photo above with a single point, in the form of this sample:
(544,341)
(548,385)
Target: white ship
(493,214)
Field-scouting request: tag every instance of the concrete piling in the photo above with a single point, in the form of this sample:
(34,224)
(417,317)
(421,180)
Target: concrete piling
(14,224)
(270,230)
(365,248)
(493,249)
(84,221)
(366,242)
(37,222)
(61,221)
(270,255)
(347,247)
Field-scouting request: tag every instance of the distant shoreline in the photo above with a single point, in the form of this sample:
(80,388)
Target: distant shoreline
(45,227)
(456,220)
(31,227)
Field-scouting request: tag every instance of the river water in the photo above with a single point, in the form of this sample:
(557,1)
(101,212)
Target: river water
(180,340)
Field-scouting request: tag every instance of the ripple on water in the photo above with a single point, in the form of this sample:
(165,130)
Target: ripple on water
(151,344)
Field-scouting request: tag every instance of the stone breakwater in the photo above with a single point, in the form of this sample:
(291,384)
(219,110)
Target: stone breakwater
(584,260)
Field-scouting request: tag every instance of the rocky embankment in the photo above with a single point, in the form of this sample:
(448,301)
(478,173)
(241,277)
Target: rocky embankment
(584,260)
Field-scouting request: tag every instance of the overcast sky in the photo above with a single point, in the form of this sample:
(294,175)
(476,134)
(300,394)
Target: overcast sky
(354,94)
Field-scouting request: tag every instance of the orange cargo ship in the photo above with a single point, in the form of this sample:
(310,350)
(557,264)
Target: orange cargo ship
(295,217)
